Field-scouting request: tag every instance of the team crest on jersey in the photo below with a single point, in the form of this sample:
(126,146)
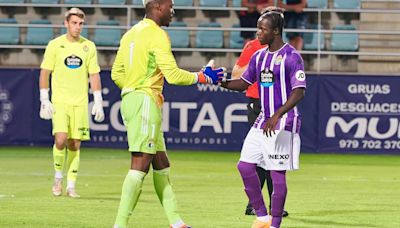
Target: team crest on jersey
(85,48)
(267,78)
(73,62)
(278,60)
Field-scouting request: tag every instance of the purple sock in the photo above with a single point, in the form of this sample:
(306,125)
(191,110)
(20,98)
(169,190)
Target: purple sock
(278,196)
(252,187)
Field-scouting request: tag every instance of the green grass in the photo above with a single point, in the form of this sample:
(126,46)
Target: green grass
(328,191)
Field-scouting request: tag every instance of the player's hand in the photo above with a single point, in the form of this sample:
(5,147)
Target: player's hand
(46,108)
(269,128)
(97,109)
(211,75)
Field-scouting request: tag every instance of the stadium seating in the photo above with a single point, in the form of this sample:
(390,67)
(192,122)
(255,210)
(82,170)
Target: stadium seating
(344,41)
(311,39)
(112,2)
(179,38)
(236,3)
(107,36)
(84,32)
(209,39)
(347,4)
(217,3)
(83,2)
(183,2)
(320,4)
(44,1)
(137,2)
(235,41)
(39,35)
(9,35)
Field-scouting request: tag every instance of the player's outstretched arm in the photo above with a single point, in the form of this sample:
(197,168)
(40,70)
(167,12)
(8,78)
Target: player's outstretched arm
(235,84)
(95,85)
(46,108)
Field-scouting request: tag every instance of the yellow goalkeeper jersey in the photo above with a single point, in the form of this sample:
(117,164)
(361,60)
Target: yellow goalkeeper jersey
(70,63)
(144,58)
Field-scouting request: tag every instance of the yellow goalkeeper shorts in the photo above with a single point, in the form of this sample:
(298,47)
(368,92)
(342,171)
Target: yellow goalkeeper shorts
(72,120)
(142,118)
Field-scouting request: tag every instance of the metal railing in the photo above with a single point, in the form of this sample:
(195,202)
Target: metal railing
(129,9)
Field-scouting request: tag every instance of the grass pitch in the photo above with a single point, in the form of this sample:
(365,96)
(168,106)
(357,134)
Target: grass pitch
(328,191)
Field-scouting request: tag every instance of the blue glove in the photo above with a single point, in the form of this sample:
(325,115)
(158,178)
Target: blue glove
(211,76)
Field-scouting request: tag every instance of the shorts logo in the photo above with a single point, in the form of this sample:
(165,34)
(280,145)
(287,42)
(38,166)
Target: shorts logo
(73,62)
(151,144)
(267,78)
(300,75)
(279,156)
(84,131)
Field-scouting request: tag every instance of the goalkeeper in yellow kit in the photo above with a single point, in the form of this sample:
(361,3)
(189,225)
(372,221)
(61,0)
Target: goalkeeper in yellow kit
(72,61)
(143,60)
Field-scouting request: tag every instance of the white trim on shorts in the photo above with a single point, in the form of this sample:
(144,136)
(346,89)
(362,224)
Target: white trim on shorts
(279,152)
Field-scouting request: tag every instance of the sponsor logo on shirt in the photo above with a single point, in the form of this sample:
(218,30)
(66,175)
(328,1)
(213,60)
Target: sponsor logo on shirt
(267,78)
(300,75)
(73,62)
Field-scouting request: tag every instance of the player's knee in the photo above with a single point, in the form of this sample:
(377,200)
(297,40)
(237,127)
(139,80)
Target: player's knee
(60,142)
(246,169)
(74,145)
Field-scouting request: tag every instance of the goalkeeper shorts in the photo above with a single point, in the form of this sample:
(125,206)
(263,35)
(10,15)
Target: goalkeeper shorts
(72,120)
(142,119)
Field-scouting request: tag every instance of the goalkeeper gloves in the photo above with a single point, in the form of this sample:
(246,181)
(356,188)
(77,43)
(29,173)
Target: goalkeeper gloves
(208,75)
(97,109)
(46,108)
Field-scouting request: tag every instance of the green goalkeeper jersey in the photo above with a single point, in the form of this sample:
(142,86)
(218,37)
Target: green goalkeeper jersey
(70,63)
(144,58)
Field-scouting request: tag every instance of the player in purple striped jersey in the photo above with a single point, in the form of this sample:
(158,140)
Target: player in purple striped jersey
(273,142)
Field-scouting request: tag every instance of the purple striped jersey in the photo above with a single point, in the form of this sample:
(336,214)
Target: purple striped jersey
(277,74)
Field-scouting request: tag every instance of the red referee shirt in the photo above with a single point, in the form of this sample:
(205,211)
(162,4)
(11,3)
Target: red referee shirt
(248,50)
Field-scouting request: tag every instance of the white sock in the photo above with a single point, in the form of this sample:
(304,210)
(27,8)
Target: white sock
(70,184)
(58,175)
(265,218)
(178,224)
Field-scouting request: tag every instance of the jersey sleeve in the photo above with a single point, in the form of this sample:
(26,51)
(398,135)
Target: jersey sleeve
(295,66)
(93,65)
(118,71)
(249,75)
(167,64)
(49,58)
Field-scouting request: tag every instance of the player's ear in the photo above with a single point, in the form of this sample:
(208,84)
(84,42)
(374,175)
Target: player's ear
(65,23)
(276,31)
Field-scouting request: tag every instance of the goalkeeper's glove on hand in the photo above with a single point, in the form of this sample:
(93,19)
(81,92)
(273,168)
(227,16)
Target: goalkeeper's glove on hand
(208,75)
(46,108)
(97,109)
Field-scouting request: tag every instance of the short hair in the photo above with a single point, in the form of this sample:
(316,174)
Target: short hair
(74,11)
(275,14)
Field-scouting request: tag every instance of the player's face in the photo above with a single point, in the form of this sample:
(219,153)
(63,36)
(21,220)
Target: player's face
(167,11)
(265,34)
(74,26)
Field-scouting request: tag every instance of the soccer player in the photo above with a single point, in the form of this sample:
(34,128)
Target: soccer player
(253,110)
(273,142)
(143,61)
(72,61)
